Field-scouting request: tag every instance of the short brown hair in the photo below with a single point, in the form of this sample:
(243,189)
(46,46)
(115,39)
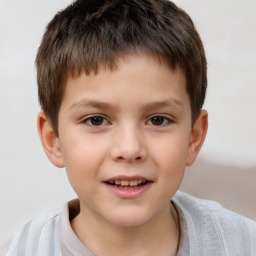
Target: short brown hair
(93,33)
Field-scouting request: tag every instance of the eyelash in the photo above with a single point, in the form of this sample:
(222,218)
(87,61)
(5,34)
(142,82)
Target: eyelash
(166,120)
(103,121)
(89,120)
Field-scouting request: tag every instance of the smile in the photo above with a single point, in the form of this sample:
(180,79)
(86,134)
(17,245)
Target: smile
(127,183)
(128,187)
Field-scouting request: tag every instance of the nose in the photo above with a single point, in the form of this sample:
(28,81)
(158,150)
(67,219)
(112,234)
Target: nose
(128,145)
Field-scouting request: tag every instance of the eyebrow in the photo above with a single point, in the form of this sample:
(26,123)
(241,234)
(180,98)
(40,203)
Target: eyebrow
(91,103)
(170,102)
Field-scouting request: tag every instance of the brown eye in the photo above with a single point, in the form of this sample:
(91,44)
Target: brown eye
(157,120)
(96,121)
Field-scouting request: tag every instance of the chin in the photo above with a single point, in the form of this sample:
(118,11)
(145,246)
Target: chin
(129,218)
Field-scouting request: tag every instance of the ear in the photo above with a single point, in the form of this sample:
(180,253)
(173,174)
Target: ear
(197,137)
(49,140)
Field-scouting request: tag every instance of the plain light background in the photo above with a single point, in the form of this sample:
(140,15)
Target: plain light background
(30,185)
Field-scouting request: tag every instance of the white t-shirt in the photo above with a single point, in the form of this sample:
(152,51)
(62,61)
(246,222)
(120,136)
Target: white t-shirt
(206,229)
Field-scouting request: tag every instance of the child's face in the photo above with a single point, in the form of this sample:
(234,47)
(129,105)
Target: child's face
(133,125)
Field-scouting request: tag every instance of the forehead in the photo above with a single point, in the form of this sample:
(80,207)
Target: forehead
(119,61)
(136,78)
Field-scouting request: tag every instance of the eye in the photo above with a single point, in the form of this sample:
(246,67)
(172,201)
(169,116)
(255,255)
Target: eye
(159,121)
(95,121)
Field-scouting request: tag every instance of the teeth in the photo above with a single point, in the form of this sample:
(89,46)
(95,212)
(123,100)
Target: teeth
(133,183)
(126,183)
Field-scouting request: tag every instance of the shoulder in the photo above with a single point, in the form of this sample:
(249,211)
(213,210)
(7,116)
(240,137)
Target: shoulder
(37,236)
(216,227)
(206,208)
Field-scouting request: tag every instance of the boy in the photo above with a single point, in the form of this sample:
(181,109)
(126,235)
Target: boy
(121,85)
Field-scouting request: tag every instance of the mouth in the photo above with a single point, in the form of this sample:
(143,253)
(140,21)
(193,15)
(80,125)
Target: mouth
(124,183)
(128,187)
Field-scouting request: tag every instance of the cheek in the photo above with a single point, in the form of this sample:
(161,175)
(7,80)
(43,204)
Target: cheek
(83,158)
(171,151)
(170,157)
(81,149)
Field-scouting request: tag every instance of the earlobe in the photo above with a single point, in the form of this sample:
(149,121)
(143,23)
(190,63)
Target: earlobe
(197,137)
(49,140)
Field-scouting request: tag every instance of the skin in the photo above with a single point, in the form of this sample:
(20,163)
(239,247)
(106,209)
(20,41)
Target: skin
(145,129)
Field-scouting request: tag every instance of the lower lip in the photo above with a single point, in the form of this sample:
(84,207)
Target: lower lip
(129,192)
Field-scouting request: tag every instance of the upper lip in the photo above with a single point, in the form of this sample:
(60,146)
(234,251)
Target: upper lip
(125,177)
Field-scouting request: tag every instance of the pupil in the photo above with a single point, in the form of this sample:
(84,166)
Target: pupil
(157,120)
(97,120)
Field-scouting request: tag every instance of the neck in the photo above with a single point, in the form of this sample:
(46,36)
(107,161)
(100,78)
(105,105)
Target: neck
(140,240)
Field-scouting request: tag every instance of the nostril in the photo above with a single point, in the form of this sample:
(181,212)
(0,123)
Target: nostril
(138,158)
